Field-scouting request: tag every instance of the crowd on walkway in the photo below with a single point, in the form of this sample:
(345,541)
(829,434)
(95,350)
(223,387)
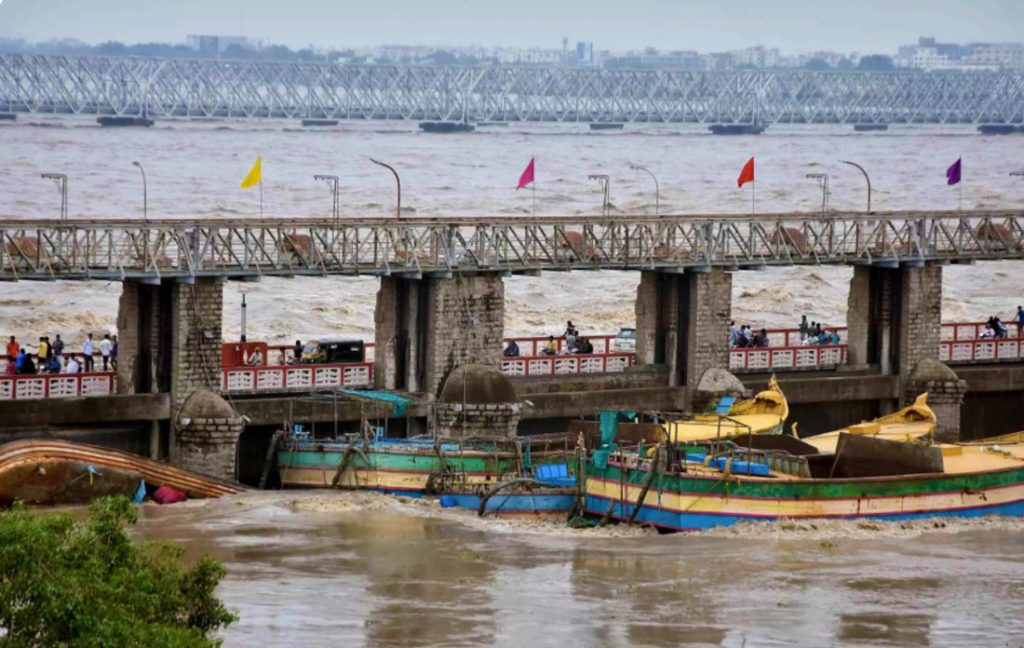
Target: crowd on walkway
(52,357)
(572,343)
(810,333)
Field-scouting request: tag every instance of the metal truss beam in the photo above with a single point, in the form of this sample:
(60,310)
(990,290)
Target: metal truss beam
(213,88)
(176,249)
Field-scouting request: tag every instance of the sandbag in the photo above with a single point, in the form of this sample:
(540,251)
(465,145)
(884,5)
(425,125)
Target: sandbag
(168,495)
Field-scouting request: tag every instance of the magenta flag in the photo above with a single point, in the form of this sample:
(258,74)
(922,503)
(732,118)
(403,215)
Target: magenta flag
(953,173)
(527,176)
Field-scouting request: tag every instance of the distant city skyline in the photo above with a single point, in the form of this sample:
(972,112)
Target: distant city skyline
(793,26)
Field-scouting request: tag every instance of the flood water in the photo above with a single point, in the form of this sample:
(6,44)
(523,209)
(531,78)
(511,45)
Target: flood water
(317,568)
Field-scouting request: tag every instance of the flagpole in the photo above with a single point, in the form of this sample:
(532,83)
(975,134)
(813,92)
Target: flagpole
(753,184)
(261,195)
(533,161)
(960,185)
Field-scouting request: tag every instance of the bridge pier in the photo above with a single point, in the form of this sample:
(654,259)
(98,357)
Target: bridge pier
(426,327)
(169,341)
(682,322)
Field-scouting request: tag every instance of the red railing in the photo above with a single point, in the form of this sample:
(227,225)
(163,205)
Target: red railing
(300,376)
(988,350)
(56,385)
(558,365)
(788,357)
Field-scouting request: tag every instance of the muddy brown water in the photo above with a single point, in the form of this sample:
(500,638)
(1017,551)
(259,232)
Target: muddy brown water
(321,568)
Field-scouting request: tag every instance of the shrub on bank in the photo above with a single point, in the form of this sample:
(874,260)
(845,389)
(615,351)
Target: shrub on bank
(86,583)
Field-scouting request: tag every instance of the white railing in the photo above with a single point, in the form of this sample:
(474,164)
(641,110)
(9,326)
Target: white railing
(297,377)
(56,385)
(989,350)
(560,365)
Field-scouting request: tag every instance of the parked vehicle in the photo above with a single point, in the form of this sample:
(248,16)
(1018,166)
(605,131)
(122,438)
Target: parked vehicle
(625,341)
(333,351)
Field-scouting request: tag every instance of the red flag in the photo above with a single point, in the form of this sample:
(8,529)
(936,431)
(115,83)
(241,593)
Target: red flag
(527,176)
(747,174)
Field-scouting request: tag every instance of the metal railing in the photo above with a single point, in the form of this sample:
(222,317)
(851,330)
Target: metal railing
(186,249)
(56,385)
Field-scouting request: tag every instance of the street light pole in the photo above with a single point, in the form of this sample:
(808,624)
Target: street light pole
(145,197)
(398,182)
(822,179)
(333,181)
(62,183)
(605,181)
(868,179)
(657,189)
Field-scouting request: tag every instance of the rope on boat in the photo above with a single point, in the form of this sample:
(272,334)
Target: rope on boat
(268,459)
(655,464)
(350,451)
(502,486)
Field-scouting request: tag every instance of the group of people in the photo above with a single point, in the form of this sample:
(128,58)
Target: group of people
(813,333)
(745,337)
(49,356)
(573,342)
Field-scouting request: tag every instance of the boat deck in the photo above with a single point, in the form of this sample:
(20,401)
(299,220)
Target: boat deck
(892,432)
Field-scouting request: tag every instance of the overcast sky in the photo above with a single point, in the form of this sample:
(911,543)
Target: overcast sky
(703,25)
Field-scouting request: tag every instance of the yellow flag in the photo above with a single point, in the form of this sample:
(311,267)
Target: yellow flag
(255,175)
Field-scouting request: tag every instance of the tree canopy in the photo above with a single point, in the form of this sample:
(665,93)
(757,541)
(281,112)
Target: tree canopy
(85,583)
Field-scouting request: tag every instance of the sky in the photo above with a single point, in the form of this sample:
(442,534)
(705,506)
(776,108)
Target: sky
(864,26)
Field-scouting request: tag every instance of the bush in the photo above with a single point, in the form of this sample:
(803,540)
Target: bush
(86,583)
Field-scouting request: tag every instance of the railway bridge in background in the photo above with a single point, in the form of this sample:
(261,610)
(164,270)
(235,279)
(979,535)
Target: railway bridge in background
(95,85)
(441,304)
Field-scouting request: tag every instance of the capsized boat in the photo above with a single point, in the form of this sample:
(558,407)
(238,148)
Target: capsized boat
(765,413)
(755,477)
(49,471)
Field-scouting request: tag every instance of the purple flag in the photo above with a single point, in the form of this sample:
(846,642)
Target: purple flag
(953,173)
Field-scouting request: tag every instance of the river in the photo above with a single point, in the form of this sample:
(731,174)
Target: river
(316,568)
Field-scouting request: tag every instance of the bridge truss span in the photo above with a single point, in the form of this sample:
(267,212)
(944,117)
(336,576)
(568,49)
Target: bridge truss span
(133,249)
(218,88)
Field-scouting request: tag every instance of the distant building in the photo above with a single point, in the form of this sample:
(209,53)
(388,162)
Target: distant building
(758,56)
(211,45)
(928,54)
(1007,56)
(584,54)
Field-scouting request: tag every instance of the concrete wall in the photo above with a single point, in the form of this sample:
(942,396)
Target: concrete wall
(427,327)
(197,311)
(707,336)
(920,316)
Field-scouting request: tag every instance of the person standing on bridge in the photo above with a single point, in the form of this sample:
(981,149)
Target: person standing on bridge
(105,347)
(12,349)
(804,328)
(87,350)
(58,347)
(1019,318)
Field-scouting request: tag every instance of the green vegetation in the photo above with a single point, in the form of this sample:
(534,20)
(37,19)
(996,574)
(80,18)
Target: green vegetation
(68,583)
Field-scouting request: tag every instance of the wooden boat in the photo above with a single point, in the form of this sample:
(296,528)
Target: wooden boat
(701,485)
(544,490)
(999,129)
(737,129)
(60,472)
(765,413)
(317,123)
(866,128)
(599,126)
(411,466)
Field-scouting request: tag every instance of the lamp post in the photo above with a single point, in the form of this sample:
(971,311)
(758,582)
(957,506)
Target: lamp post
(657,189)
(145,197)
(822,179)
(62,184)
(605,181)
(868,179)
(398,183)
(333,181)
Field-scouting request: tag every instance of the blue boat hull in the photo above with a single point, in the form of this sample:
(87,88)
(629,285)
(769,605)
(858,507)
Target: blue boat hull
(548,503)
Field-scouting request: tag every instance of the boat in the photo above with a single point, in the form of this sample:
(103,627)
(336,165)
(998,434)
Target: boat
(737,129)
(999,129)
(410,466)
(545,490)
(886,469)
(491,123)
(8,116)
(446,127)
(606,126)
(765,413)
(319,122)
(124,120)
(864,128)
(61,472)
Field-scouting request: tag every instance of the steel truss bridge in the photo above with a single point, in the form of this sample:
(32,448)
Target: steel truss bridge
(213,88)
(186,249)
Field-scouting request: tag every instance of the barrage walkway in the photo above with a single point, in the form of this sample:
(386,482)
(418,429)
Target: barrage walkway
(130,249)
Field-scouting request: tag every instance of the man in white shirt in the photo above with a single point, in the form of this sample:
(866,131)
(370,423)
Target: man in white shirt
(87,352)
(72,366)
(105,346)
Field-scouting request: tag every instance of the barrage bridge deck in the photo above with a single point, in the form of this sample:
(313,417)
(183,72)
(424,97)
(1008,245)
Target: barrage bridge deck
(132,249)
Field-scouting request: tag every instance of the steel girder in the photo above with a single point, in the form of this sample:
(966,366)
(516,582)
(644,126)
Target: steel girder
(125,250)
(208,88)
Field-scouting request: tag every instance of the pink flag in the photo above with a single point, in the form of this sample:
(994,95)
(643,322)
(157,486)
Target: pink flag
(527,176)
